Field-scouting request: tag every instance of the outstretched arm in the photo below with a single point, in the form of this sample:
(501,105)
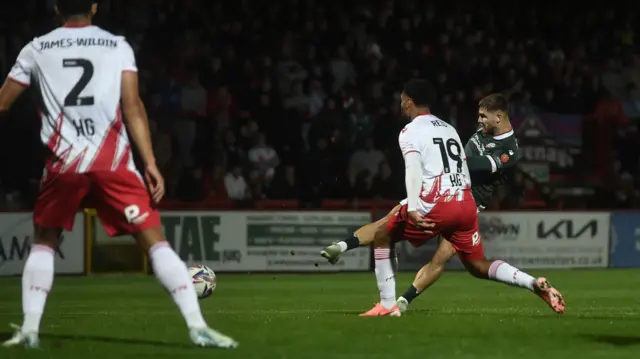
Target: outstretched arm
(491,163)
(482,164)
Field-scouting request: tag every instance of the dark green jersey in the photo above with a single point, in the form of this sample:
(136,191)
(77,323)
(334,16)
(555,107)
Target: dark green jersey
(491,161)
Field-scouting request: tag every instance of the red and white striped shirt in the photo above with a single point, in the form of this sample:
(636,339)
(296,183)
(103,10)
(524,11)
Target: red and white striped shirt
(78,71)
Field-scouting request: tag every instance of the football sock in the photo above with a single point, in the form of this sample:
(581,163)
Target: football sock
(174,276)
(37,279)
(385,277)
(349,243)
(411,293)
(503,272)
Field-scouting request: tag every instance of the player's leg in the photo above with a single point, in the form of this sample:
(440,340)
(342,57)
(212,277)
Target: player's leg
(364,236)
(503,272)
(428,274)
(58,201)
(469,247)
(385,278)
(124,207)
(398,227)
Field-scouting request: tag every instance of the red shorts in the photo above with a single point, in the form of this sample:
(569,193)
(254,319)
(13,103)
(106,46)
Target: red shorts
(120,198)
(457,222)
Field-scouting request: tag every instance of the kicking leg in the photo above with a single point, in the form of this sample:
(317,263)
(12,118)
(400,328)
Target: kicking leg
(428,274)
(365,235)
(37,280)
(174,276)
(503,272)
(386,279)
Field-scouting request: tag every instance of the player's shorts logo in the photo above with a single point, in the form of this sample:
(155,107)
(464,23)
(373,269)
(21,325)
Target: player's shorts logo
(133,215)
(475,239)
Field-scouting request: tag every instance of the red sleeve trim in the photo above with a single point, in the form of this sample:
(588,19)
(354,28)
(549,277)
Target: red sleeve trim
(18,82)
(128,70)
(405,153)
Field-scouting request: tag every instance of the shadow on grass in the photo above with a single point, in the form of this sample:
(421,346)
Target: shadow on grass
(617,340)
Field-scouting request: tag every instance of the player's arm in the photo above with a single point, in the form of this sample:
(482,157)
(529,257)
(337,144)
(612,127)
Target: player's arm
(134,111)
(413,168)
(9,92)
(18,80)
(136,117)
(138,123)
(492,163)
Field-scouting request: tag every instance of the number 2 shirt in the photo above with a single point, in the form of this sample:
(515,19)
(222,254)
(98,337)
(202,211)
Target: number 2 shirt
(78,72)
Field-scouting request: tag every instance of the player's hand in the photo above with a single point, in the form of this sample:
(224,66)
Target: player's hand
(421,222)
(155,182)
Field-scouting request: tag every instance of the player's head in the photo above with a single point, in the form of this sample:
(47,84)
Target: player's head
(72,8)
(417,98)
(493,113)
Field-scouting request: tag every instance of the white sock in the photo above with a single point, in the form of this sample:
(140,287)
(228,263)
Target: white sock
(174,276)
(343,246)
(37,279)
(503,272)
(386,277)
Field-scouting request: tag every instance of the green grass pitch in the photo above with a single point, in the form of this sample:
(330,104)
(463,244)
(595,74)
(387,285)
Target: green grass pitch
(316,316)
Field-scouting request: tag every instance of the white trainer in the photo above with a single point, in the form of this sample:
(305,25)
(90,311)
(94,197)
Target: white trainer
(26,339)
(402,304)
(209,338)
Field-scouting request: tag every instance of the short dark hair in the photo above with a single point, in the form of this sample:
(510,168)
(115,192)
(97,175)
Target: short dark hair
(495,102)
(74,7)
(421,92)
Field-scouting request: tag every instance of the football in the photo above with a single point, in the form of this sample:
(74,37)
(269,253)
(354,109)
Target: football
(204,280)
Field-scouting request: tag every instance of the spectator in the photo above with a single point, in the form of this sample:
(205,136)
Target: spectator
(236,185)
(290,74)
(193,106)
(366,159)
(360,125)
(221,108)
(284,80)
(234,154)
(342,70)
(625,194)
(385,186)
(256,185)
(215,185)
(264,158)
(193,97)
(285,186)
(317,171)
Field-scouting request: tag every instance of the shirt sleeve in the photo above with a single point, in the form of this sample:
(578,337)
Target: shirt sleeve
(127,57)
(408,142)
(410,147)
(24,67)
(413,179)
(500,159)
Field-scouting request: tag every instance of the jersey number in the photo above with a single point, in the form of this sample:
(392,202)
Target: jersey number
(73,98)
(447,152)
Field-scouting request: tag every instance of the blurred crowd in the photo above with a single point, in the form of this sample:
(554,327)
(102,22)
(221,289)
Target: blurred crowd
(299,99)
